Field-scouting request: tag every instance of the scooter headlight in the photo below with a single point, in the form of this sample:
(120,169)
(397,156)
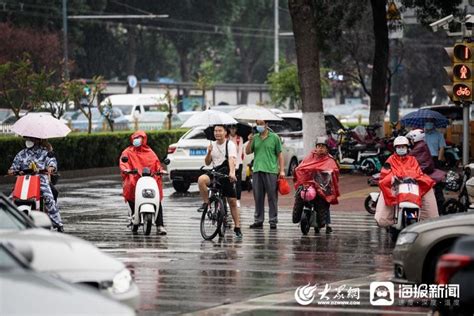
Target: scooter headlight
(121,282)
(148,193)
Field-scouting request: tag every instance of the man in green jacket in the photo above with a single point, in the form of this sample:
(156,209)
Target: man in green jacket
(268,165)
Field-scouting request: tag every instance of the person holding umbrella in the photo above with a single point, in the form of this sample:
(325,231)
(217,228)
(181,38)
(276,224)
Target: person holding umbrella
(268,165)
(36,155)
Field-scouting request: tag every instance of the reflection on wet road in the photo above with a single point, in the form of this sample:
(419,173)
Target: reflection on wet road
(182,273)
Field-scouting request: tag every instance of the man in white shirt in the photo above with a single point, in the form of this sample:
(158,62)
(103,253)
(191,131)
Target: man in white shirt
(220,153)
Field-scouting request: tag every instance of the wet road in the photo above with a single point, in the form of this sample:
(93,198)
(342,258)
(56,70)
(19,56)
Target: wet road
(181,272)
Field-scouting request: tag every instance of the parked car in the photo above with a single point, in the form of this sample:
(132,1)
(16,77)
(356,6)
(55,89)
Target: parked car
(71,258)
(419,246)
(291,129)
(27,292)
(457,267)
(158,120)
(79,122)
(187,157)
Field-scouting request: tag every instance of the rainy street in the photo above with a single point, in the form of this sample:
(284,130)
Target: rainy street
(182,273)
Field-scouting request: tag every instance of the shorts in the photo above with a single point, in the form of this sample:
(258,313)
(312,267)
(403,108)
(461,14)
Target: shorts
(227,188)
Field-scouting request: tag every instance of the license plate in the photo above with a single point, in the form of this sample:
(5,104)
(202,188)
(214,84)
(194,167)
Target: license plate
(197,152)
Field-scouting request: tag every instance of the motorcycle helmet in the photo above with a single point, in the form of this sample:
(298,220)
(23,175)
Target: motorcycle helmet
(416,135)
(453,182)
(401,140)
(308,194)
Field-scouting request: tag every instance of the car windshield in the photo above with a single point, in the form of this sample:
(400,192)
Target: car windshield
(79,116)
(195,134)
(4,115)
(280,126)
(126,109)
(9,220)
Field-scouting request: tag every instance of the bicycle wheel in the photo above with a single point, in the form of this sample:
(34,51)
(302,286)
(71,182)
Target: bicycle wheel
(225,223)
(211,219)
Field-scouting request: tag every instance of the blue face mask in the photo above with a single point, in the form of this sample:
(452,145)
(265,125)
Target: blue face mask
(429,125)
(260,128)
(137,142)
(401,151)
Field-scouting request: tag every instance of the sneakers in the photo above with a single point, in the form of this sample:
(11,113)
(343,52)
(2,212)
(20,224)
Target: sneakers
(256,225)
(238,233)
(238,203)
(273,226)
(161,230)
(60,229)
(202,208)
(328,229)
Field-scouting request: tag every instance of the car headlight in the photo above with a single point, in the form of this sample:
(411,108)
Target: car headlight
(121,282)
(406,238)
(148,193)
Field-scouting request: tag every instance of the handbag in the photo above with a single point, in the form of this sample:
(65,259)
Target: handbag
(283,186)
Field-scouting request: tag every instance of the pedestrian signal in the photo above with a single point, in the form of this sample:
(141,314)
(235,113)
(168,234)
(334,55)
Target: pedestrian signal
(461,72)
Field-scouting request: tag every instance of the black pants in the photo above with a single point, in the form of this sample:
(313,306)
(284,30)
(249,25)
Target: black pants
(238,184)
(159,218)
(439,195)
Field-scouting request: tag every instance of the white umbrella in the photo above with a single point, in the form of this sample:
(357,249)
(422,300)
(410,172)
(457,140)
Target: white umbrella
(208,118)
(40,125)
(253,113)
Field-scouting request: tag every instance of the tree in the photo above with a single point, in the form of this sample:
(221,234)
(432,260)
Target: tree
(205,79)
(307,51)
(84,95)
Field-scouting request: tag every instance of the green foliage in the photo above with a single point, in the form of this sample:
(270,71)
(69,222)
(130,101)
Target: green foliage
(83,151)
(284,85)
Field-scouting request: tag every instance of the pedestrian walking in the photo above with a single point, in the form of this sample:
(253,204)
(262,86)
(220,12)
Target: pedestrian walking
(268,165)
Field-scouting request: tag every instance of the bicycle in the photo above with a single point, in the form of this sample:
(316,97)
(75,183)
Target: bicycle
(214,216)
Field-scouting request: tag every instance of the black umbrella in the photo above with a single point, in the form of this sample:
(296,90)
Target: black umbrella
(243,130)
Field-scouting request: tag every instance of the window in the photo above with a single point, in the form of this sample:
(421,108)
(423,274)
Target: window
(126,109)
(8,221)
(195,134)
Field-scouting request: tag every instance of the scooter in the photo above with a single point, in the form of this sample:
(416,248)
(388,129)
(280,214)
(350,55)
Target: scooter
(26,192)
(147,198)
(465,185)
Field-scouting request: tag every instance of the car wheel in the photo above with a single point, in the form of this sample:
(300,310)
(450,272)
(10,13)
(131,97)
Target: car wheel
(181,186)
(292,167)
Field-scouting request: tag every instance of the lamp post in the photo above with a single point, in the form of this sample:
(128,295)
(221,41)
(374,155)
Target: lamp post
(276,34)
(65,49)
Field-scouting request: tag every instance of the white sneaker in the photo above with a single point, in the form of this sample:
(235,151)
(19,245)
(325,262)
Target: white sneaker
(161,230)
(238,203)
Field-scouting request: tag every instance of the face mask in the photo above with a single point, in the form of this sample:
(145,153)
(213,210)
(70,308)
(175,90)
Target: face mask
(29,144)
(429,125)
(260,128)
(137,142)
(401,151)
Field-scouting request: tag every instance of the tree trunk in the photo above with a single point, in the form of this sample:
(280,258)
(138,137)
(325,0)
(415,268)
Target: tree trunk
(379,72)
(131,53)
(307,54)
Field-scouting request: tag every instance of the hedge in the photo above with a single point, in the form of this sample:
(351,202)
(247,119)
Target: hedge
(83,151)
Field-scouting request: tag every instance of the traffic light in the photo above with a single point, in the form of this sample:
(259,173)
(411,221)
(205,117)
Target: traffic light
(461,72)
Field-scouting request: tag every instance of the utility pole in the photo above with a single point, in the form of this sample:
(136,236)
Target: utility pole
(65,49)
(276,35)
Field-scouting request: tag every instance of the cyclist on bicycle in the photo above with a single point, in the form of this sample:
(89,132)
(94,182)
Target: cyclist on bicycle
(222,154)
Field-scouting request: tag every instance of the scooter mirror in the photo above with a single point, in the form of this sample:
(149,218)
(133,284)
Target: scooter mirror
(166,161)
(124,159)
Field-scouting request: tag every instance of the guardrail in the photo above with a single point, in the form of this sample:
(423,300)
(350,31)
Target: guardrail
(6,129)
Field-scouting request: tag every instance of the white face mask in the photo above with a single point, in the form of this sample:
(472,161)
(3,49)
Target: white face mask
(29,144)
(401,151)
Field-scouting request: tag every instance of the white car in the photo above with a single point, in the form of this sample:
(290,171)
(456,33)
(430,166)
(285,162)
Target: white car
(187,157)
(65,256)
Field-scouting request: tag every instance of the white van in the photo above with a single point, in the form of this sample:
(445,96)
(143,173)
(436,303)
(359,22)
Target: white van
(135,106)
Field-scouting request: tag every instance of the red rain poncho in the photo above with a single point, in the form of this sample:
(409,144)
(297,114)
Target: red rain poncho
(138,158)
(306,170)
(403,167)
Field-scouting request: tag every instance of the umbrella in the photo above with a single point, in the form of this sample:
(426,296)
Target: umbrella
(418,118)
(40,125)
(243,130)
(253,113)
(208,118)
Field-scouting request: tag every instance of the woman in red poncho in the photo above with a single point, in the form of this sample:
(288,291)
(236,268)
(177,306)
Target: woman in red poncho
(401,165)
(140,155)
(318,160)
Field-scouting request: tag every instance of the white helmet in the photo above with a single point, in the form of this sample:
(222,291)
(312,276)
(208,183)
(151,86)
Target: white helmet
(416,135)
(321,140)
(401,140)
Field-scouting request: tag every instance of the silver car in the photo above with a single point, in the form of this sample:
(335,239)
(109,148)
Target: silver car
(71,258)
(27,292)
(420,245)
